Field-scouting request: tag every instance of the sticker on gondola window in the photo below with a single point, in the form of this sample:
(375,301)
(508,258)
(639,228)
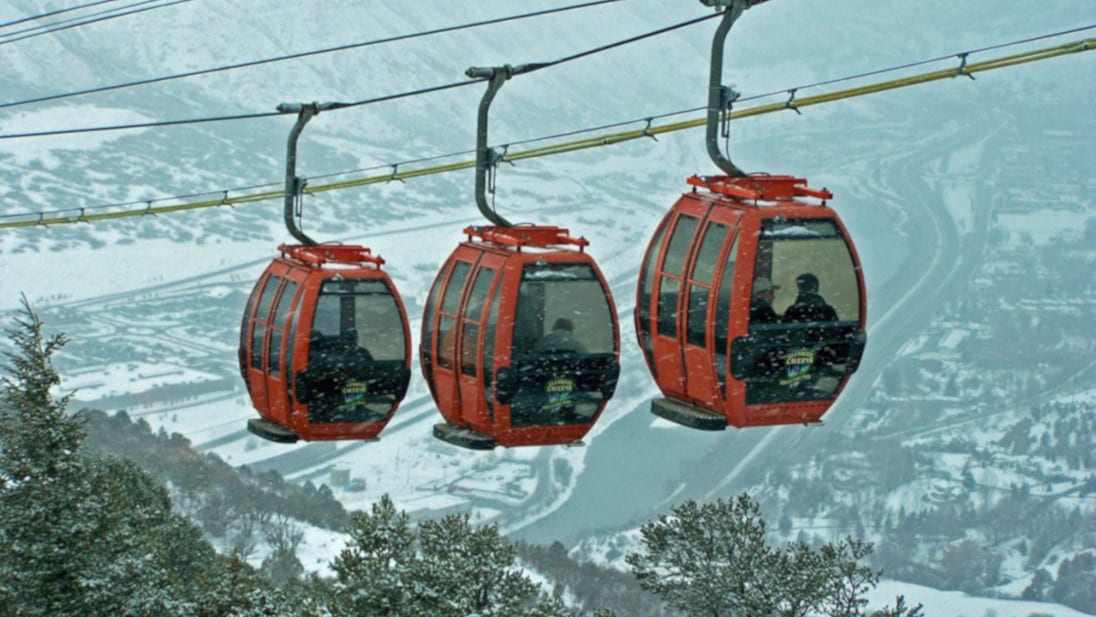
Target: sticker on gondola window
(797,366)
(560,391)
(354,394)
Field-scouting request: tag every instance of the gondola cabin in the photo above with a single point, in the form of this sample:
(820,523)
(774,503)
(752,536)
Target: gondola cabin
(520,341)
(324,345)
(750,307)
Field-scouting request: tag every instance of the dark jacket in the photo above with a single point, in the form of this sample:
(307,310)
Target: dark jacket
(809,306)
(762,312)
(560,341)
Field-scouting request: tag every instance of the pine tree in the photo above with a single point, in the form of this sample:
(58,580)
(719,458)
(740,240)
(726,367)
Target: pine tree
(845,578)
(441,568)
(466,570)
(283,536)
(372,569)
(708,559)
(899,609)
(711,560)
(37,437)
(86,535)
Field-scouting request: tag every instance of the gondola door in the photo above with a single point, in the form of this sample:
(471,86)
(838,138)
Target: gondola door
(476,353)
(255,332)
(704,333)
(279,350)
(445,356)
(669,285)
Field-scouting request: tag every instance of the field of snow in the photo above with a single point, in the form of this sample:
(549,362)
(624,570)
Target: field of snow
(614,196)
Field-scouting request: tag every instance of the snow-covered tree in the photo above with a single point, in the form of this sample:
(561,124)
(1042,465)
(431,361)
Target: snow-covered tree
(441,568)
(86,535)
(372,572)
(708,559)
(37,437)
(712,560)
(466,570)
(283,536)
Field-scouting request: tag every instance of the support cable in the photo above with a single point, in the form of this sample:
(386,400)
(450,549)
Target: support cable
(71,20)
(110,14)
(370,101)
(305,54)
(33,219)
(911,65)
(78,7)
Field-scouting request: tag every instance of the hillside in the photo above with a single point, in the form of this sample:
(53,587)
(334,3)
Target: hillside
(970,203)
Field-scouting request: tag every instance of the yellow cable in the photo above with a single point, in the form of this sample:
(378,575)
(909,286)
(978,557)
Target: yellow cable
(590,142)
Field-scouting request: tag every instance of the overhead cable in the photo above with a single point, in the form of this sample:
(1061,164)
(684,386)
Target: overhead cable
(304,54)
(81,21)
(70,22)
(338,106)
(40,218)
(78,7)
(910,65)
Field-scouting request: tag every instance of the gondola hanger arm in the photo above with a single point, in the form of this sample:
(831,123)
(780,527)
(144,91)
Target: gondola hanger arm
(720,97)
(294,184)
(486,158)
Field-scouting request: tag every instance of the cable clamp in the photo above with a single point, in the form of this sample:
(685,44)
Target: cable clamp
(42,219)
(224,200)
(790,103)
(647,130)
(961,70)
(148,209)
(395,171)
(493,157)
(299,184)
(82,218)
(727,96)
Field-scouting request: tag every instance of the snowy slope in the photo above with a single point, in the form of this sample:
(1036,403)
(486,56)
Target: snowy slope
(156,265)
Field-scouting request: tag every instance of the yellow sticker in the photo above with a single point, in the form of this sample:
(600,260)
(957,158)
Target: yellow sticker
(559,392)
(354,394)
(797,366)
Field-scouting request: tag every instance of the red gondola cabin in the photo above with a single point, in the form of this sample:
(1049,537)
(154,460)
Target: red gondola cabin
(324,345)
(750,306)
(520,341)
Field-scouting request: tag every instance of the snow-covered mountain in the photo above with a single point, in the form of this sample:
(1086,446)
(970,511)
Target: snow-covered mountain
(922,176)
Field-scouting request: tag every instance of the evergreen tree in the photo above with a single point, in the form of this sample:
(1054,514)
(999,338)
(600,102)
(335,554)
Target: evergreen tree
(372,569)
(85,535)
(1041,584)
(845,578)
(899,610)
(708,559)
(37,438)
(283,537)
(442,568)
(711,560)
(466,570)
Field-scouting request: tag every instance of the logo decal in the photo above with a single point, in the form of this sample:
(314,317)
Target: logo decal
(797,366)
(559,390)
(354,394)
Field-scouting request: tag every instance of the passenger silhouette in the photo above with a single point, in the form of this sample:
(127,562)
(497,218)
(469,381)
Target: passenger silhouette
(761,306)
(809,304)
(561,339)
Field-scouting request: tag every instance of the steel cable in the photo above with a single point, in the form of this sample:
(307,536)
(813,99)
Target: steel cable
(304,54)
(39,218)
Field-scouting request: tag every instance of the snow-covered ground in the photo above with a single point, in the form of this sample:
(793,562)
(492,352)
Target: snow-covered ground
(957,604)
(612,196)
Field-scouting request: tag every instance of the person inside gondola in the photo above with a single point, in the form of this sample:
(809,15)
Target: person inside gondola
(761,306)
(809,304)
(561,339)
